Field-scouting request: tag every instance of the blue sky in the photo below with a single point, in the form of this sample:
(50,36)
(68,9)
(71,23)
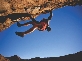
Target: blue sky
(64,38)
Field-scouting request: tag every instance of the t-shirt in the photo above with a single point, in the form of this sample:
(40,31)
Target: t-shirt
(43,25)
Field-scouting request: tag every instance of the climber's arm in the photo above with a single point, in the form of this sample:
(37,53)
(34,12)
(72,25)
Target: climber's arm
(49,18)
(30,30)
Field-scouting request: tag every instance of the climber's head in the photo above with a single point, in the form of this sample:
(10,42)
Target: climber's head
(48,28)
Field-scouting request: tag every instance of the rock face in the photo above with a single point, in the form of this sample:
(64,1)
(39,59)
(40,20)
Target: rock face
(71,57)
(33,7)
(14,58)
(2,58)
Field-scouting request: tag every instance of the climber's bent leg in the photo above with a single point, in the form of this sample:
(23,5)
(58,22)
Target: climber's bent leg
(32,18)
(25,24)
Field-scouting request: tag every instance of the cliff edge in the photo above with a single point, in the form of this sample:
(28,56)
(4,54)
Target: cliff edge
(19,9)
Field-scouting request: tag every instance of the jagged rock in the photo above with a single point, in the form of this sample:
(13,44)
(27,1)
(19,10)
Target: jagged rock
(71,57)
(14,58)
(33,7)
(2,58)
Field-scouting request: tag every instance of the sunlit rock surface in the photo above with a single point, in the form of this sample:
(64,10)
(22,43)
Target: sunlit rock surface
(33,7)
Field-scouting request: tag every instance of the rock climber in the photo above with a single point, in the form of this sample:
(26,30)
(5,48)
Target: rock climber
(41,26)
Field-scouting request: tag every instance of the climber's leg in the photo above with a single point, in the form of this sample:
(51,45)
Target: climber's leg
(32,18)
(21,34)
(25,24)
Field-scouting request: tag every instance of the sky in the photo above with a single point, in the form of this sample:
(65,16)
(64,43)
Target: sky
(64,38)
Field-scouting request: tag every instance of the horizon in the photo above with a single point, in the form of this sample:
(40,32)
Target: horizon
(47,57)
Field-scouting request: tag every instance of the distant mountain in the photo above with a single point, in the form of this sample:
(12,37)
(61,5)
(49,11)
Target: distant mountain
(2,58)
(71,57)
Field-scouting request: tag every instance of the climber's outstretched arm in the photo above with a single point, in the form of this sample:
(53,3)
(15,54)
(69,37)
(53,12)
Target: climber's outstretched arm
(30,30)
(51,14)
